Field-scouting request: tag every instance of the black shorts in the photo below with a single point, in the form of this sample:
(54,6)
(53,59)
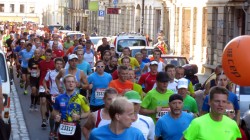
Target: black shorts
(34,82)
(48,98)
(24,70)
(76,136)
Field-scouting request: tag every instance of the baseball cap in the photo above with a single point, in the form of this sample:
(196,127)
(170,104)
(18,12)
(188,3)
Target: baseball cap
(153,63)
(88,41)
(162,77)
(175,97)
(133,96)
(112,46)
(182,83)
(22,41)
(73,56)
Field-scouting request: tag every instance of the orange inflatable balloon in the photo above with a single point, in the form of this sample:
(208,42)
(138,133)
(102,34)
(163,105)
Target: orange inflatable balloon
(236,60)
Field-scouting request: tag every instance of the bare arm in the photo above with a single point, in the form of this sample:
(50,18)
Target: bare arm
(89,125)
(58,77)
(237,113)
(84,80)
(144,111)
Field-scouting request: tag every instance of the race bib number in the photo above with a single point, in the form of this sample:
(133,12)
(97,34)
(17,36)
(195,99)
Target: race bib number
(99,93)
(162,112)
(67,128)
(53,98)
(33,73)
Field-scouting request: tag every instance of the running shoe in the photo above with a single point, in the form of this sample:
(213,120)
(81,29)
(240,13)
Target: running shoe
(25,92)
(44,123)
(35,108)
(52,135)
(31,107)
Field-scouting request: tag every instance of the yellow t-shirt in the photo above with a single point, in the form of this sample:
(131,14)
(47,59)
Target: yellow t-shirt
(133,62)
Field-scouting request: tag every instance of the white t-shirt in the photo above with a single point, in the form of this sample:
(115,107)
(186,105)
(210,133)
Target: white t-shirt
(172,86)
(60,47)
(51,75)
(89,57)
(146,125)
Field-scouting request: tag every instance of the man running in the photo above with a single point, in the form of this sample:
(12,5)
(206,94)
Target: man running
(69,109)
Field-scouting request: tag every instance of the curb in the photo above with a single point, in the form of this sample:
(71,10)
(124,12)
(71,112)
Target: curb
(18,127)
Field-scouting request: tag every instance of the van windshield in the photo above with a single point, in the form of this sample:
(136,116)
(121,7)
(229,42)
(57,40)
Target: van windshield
(3,69)
(245,90)
(129,42)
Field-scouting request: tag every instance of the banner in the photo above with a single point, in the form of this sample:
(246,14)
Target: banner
(93,5)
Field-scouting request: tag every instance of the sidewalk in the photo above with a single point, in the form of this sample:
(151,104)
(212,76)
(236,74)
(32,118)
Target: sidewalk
(18,127)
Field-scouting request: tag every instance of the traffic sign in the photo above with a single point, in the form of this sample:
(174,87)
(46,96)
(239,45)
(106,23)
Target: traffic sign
(115,2)
(101,14)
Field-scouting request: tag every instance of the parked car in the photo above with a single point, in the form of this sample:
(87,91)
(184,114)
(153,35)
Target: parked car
(129,39)
(73,34)
(51,27)
(135,49)
(175,60)
(95,39)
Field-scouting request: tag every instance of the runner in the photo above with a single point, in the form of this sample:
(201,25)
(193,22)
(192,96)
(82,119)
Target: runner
(34,78)
(148,79)
(133,62)
(69,109)
(89,54)
(106,57)
(44,66)
(112,66)
(170,70)
(214,125)
(100,117)
(122,116)
(136,87)
(122,84)
(98,82)
(189,103)
(82,82)
(143,123)
(176,119)
(155,103)
(126,62)
(52,91)
(102,48)
(25,54)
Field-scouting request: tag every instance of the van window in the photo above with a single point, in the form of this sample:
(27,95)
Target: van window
(3,69)
(245,90)
(129,42)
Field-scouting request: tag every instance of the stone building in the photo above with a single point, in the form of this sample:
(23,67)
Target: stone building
(20,11)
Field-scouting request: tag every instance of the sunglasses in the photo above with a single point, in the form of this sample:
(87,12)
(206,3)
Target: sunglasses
(100,66)
(230,111)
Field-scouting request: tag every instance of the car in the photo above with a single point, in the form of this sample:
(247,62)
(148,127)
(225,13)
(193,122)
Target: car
(73,34)
(95,39)
(175,60)
(135,49)
(129,39)
(5,90)
(243,94)
(51,27)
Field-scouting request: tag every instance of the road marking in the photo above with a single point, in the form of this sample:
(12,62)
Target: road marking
(19,129)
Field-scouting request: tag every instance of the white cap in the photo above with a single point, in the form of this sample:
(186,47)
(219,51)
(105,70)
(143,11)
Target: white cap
(72,56)
(22,41)
(182,83)
(153,63)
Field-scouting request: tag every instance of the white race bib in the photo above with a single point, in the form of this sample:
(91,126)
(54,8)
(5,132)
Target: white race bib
(53,98)
(67,128)
(99,93)
(33,73)
(162,112)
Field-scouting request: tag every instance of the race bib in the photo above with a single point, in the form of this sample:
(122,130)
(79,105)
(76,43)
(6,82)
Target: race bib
(67,128)
(53,98)
(162,112)
(33,73)
(99,93)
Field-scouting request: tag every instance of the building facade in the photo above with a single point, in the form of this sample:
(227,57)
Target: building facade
(20,11)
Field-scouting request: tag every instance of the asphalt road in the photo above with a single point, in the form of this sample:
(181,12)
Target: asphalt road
(33,119)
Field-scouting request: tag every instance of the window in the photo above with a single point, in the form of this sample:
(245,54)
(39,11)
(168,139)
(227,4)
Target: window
(32,9)
(1,7)
(22,8)
(12,8)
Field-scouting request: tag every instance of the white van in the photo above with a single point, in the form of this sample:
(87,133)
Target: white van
(129,39)
(4,72)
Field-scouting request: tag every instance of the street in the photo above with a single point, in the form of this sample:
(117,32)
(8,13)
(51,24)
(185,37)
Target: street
(32,119)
